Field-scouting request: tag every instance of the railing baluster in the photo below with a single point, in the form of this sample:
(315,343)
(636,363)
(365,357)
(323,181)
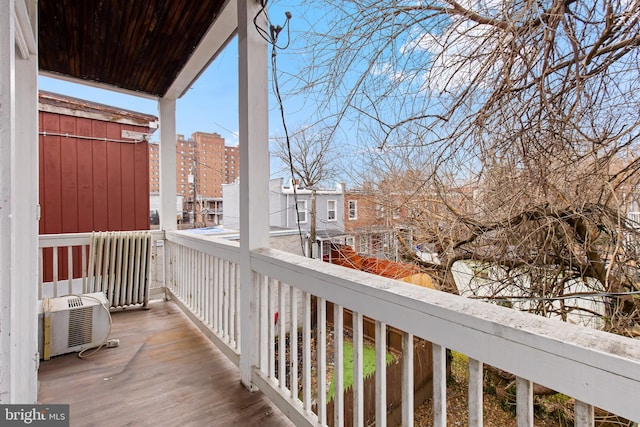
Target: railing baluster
(188,268)
(282,341)
(223,297)
(216,283)
(220,296)
(381,374)
(293,340)
(179,270)
(439,386)
(524,402)
(232,305)
(338,366)
(207,289)
(180,286)
(198,283)
(184,289)
(475,393)
(55,271)
(306,352)
(237,284)
(194,280)
(84,249)
(70,269)
(321,348)
(272,333)
(263,298)
(153,268)
(40,273)
(225,316)
(407,380)
(175,268)
(202,285)
(358,363)
(169,267)
(583,414)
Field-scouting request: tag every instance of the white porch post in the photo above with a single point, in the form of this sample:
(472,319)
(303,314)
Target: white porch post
(18,201)
(254,171)
(167,111)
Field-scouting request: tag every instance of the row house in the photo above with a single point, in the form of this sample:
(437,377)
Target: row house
(377,216)
(292,207)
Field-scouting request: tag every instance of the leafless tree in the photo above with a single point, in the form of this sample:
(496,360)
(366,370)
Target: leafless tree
(520,117)
(309,156)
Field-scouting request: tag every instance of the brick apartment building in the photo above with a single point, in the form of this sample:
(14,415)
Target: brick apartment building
(203,164)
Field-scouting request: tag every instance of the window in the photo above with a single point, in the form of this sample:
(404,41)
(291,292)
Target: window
(379,211)
(362,244)
(302,211)
(331,210)
(351,241)
(396,213)
(353,209)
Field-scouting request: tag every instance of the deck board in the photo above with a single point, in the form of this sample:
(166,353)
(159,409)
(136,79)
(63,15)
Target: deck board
(165,372)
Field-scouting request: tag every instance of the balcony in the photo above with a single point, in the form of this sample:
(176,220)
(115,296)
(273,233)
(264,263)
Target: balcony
(246,298)
(200,275)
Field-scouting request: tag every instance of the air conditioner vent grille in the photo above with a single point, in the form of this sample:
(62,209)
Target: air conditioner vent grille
(75,302)
(80,326)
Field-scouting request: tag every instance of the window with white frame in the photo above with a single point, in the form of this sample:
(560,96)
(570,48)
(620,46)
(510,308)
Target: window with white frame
(352,206)
(396,212)
(363,244)
(301,208)
(331,210)
(351,241)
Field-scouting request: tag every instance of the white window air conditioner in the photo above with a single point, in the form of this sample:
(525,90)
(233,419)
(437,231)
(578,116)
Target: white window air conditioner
(72,323)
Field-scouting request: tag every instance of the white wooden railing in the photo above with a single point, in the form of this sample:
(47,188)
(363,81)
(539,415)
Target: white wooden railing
(75,248)
(595,368)
(203,278)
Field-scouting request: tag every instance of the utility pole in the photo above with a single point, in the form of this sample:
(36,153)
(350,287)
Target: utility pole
(312,227)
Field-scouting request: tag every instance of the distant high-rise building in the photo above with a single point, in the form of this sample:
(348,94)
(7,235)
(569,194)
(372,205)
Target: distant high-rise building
(203,164)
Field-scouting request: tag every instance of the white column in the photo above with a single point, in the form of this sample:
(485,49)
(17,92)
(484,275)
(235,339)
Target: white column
(18,202)
(7,141)
(254,169)
(167,110)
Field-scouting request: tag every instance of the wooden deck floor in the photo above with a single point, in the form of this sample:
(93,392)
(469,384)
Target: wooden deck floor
(164,373)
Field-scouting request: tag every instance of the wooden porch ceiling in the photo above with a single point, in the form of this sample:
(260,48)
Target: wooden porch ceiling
(139,46)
